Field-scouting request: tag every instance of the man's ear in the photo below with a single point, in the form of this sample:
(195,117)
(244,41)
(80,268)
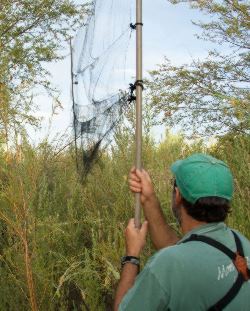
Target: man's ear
(178,198)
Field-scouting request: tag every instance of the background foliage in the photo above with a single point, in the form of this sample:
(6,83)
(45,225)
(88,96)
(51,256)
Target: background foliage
(31,34)
(210,96)
(61,240)
(74,232)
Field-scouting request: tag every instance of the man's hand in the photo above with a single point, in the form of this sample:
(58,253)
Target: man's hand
(161,233)
(140,182)
(135,241)
(135,238)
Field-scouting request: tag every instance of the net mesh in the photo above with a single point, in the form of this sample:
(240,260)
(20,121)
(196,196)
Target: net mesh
(102,67)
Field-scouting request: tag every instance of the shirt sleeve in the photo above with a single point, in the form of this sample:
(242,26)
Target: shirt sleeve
(146,294)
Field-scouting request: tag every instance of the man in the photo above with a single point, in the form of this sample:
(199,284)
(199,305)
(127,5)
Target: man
(208,269)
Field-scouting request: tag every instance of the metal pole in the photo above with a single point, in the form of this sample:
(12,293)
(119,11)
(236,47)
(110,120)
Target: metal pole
(138,104)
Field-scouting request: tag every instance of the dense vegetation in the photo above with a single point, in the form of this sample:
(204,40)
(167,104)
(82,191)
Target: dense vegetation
(61,239)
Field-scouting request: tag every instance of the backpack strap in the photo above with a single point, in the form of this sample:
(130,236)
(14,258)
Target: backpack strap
(212,242)
(239,261)
(238,244)
(230,295)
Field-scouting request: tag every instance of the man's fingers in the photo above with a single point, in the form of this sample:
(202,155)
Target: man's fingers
(132,170)
(134,177)
(133,189)
(138,175)
(144,227)
(146,174)
(131,223)
(143,175)
(133,183)
(132,173)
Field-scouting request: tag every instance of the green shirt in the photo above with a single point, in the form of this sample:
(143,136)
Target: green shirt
(190,276)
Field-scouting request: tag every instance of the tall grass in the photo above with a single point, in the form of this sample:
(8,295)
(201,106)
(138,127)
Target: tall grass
(236,152)
(61,241)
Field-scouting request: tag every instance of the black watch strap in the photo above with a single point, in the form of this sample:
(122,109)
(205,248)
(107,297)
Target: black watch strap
(130,259)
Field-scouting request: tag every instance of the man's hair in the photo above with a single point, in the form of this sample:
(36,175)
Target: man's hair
(209,209)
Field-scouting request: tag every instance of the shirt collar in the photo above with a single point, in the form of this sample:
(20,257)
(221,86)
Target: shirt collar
(203,229)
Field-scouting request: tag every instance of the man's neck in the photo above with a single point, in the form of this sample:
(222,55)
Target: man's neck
(188,223)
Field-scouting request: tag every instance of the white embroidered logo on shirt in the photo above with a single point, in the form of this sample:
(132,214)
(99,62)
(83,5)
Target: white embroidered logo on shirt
(223,270)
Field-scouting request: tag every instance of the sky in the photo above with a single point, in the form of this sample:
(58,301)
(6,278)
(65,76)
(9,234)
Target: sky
(168,32)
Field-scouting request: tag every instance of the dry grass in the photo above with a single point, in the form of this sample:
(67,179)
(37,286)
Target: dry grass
(61,241)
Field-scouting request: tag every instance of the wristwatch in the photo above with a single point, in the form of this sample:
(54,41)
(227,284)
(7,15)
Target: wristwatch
(130,259)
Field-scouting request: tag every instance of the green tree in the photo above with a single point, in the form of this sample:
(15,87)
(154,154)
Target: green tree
(31,34)
(209,96)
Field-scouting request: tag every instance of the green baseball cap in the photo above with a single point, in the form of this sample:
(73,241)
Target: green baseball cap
(201,175)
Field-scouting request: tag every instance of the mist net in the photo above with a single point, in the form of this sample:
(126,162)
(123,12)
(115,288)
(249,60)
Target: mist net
(102,69)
